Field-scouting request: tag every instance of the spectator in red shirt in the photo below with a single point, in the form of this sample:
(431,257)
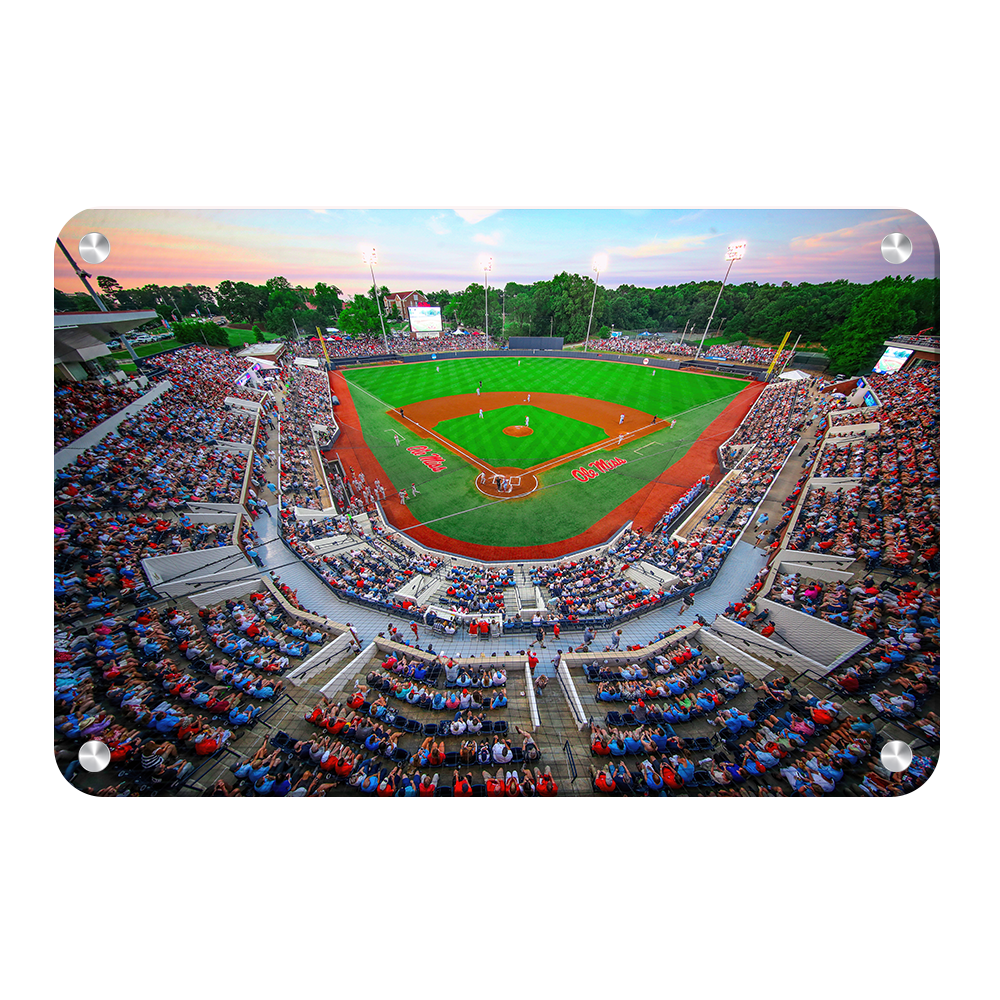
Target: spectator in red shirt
(495,787)
(602,779)
(545,784)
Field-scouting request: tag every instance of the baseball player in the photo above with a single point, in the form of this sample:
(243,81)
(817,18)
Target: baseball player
(414,490)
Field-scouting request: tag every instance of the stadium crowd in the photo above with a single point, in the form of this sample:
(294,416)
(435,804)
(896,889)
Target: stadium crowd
(757,451)
(167,687)
(747,354)
(885,519)
(81,406)
(306,402)
(400,342)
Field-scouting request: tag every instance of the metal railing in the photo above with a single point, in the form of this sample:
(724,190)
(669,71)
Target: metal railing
(570,761)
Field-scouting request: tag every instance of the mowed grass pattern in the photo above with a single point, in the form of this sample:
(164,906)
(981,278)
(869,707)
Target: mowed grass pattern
(659,391)
(562,507)
(551,435)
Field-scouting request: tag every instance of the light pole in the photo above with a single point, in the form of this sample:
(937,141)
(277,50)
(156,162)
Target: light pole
(83,276)
(791,355)
(370,258)
(600,262)
(486,263)
(734,252)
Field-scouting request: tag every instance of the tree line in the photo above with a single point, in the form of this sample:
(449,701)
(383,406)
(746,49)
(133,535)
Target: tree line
(848,319)
(277,305)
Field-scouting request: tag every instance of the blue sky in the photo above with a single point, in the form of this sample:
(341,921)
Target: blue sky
(432,249)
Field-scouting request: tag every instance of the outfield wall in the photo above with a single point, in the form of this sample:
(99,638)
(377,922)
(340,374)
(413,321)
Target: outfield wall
(734,370)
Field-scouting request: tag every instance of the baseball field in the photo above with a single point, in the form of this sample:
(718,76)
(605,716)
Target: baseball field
(509,456)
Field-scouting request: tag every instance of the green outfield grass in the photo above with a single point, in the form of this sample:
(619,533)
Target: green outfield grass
(551,435)
(659,391)
(562,507)
(145,350)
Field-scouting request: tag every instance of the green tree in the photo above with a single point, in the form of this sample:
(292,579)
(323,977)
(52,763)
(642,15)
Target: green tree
(878,314)
(440,299)
(192,331)
(241,302)
(361,317)
(113,293)
(283,305)
(327,300)
(64,302)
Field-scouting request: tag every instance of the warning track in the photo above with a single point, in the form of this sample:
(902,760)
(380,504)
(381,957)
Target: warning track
(644,508)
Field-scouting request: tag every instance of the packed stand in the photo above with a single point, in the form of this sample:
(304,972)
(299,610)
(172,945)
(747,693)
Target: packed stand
(387,738)
(81,406)
(167,690)
(479,589)
(757,449)
(891,516)
(592,588)
(209,373)
(306,401)
(748,355)
(124,499)
(770,739)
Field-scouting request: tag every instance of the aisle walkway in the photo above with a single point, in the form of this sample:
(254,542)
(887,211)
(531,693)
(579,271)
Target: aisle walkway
(735,576)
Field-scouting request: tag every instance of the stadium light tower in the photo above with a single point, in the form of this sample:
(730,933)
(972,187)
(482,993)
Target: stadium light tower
(734,252)
(486,263)
(600,263)
(371,259)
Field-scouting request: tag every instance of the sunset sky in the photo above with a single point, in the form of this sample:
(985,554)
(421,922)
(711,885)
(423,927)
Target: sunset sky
(441,248)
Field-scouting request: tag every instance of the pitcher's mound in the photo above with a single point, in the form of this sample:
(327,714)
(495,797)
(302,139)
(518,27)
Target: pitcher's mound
(518,431)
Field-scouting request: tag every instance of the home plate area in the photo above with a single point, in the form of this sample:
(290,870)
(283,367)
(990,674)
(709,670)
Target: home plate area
(506,483)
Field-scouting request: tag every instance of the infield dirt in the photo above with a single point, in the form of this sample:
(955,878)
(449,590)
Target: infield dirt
(644,508)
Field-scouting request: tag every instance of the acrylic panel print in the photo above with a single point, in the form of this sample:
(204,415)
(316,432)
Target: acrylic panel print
(496,503)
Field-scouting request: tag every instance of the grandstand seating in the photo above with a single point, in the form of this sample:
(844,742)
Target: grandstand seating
(173,690)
